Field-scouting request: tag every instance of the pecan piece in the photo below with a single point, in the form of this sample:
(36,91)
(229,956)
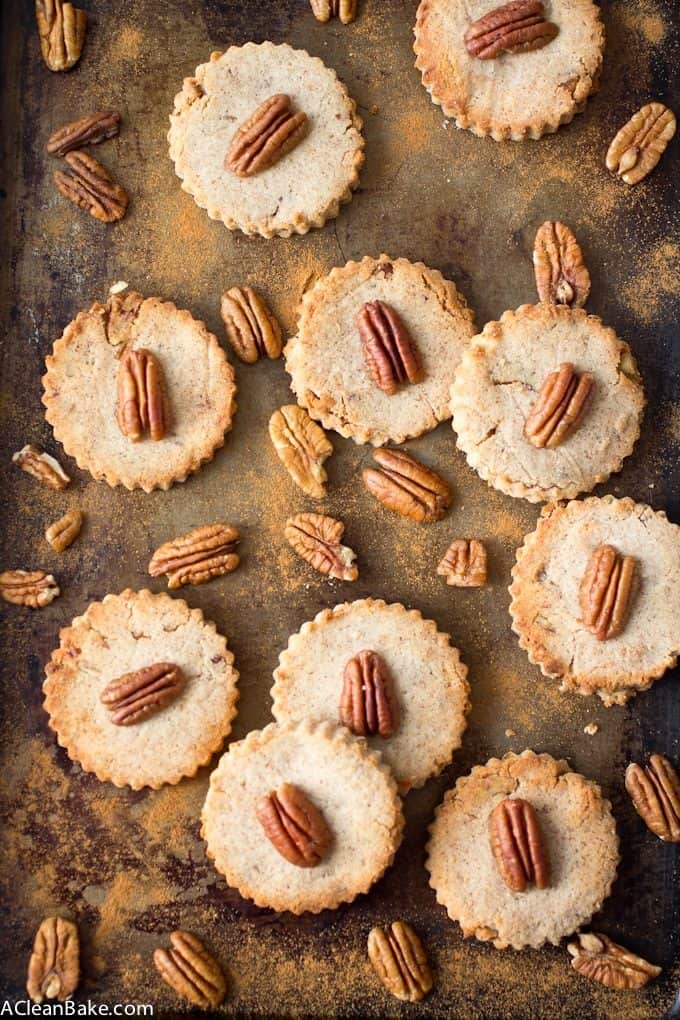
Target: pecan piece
(32,588)
(141,403)
(390,354)
(517,845)
(316,538)
(655,792)
(516,27)
(324,10)
(464,563)
(65,531)
(559,406)
(267,135)
(90,130)
(400,962)
(640,143)
(561,274)
(252,330)
(191,971)
(206,552)
(294,826)
(54,966)
(90,186)
(368,703)
(407,486)
(598,958)
(302,446)
(61,28)
(137,695)
(605,592)
(41,466)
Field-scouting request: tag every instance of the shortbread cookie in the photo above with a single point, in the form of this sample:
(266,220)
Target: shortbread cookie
(82,381)
(518,95)
(498,383)
(302,189)
(546,609)
(327,363)
(346,784)
(578,836)
(170,737)
(428,678)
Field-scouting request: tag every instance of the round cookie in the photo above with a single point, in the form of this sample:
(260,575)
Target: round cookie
(545,606)
(326,359)
(343,779)
(497,384)
(307,185)
(514,95)
(430,681)
(578,834)
(120,635)
(80,391)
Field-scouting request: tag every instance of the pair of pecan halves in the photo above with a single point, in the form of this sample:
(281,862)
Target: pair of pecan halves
(87,183)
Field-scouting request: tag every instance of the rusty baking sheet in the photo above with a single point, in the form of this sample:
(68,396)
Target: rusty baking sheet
(131,866)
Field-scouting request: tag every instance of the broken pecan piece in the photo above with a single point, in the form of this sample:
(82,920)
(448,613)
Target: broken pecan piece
(54,966)
(41,466)
(90,186)
(294,825)
(368,703)
(517,845)
(324,10)
(400,962)
(598,958)
(316,538)
(389,351)
(561,274)
(32,588)
(516,27)
(137,695)
(464,563)
(655,792)
(206,552)
(61,28)
(640,143)
(141,403)
(90,130)
(65,531)
(605,592)
(302,446)
(267,135)
(559,406)
(407,486)
(191,971)
(252,330)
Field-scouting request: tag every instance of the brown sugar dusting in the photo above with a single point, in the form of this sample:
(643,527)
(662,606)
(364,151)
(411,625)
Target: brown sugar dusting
(644,17)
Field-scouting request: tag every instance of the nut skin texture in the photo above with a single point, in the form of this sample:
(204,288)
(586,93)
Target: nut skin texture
(515,27)
(400,961)
(191,971)
(32,588)
(561,274)
(265,137)
(368,703)
(641,142)
(464,563)
(141,405)
(517,845)
(135,696)
(90,130)
(204,553)
(655,792)
(406,486)
(252,330)
(559,407)
(605,592)
(324,10)
(595,956)
(65,531)
(41,466)
(316,538)
(91,187)
(389,351)
(294,826)
(302,446)
(54,966)
(61,28)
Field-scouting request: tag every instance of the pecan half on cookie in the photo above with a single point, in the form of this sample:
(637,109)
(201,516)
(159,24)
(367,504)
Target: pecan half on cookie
(561,274)
(191,971)
(559,406)
(605,592)
(206,552)
(90,186)
(516,27)
(655,792)
(265,137)
(390,354)
(90,130)
(142,405)
(252,330)
(598,958)
(405,485)
(641,143)
(368,703)
(61,28)
(54,966)
(400,961)
(137,695)
(294,826)
(316,538)
(517,845)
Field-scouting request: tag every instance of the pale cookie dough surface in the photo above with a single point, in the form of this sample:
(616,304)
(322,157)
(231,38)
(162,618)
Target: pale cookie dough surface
(498,382)
(344,780)
(326,360)
(515,95)
(545,606)
(307,185)
(578,832)
(429,678)
(121,634)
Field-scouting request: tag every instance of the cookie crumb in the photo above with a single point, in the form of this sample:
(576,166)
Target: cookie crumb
(591,729)
(118,287)
(510,733)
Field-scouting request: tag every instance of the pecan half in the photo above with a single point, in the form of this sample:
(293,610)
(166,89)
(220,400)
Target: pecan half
(368,703)
(407,486)
(65,531)
(324,10)
(90,130)
(302,446)
(464,563)
(294,826)
(61,28)
(137,695)
(516,27)
(90,186)
(267,135)
(400,962)
(390,354)
(41,466)
(141,405)
(561,274)
(640,143)
(252,330)
(655,792)
(31,588)
(598,958)
(605,592)
(191,971)
(316,538)
(559,406)
(517,845)
(206,552)
(54,966)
